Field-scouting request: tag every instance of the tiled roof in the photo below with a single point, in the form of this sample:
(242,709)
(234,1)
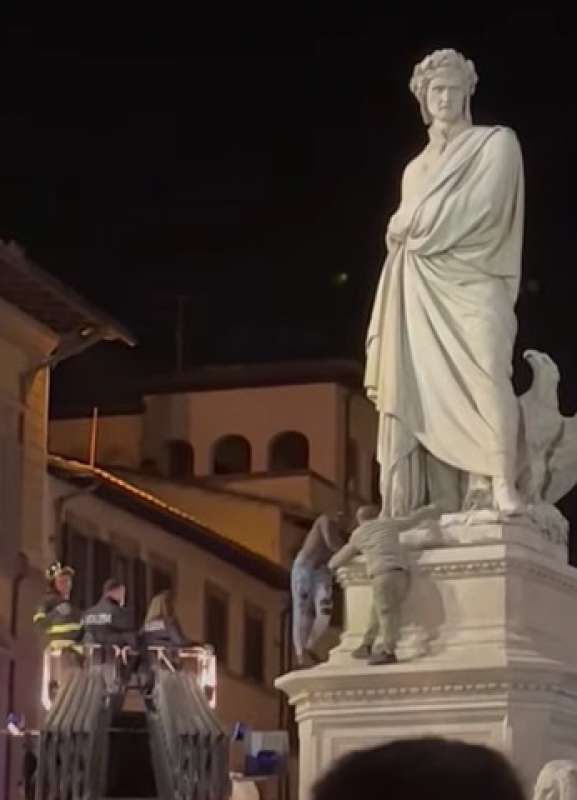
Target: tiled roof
(153,509)
(47,300)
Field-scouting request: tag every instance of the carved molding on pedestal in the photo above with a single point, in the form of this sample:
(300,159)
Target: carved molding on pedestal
(367,694)
(356,575)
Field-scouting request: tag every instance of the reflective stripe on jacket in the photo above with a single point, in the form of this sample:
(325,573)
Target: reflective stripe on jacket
(58,619)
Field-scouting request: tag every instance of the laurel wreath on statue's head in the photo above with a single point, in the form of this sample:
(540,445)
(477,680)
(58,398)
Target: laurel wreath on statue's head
(425,71)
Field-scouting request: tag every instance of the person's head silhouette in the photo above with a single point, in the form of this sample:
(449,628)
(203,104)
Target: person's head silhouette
(421,769)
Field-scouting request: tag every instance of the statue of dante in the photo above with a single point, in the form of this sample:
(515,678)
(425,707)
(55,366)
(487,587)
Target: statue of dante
(441,335)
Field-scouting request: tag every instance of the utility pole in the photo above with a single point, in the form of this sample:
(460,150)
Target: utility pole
(93,437)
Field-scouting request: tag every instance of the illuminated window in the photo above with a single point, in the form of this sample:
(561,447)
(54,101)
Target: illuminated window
(289,450)
(231,456)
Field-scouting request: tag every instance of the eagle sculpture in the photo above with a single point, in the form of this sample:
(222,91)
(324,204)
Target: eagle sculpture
(548,447)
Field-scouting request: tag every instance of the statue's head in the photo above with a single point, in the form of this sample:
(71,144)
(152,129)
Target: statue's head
(557,781)
(444,83)
(545,370)
(365,513)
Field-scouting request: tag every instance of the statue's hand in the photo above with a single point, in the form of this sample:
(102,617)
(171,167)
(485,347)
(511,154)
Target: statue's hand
(396,232)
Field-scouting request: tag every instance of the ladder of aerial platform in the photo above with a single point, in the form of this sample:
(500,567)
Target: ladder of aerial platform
(174,749)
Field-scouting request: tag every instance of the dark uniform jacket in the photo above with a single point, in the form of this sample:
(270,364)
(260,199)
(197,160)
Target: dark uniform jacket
(108,623)
(164,633)
(59,620)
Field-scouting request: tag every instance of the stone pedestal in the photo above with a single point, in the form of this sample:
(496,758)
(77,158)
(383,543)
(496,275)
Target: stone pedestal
(488,655)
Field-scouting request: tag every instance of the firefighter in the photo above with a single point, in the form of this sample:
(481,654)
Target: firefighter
(56,616)
(61,624)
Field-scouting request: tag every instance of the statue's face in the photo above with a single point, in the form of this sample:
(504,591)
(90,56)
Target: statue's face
(446,96)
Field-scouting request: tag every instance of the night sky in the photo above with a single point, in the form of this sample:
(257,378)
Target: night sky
(252,169)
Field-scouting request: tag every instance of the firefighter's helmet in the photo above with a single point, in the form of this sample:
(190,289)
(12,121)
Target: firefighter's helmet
(57,568)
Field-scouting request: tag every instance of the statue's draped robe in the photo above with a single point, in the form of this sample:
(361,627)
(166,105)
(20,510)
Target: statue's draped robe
(441,335)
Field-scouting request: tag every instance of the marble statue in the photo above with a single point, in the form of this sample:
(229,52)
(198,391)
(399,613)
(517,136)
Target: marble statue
(442,329)
(378,539)
(557,781)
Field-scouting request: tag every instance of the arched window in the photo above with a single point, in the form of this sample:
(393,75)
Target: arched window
(231,456)
(180,460)
(289,450)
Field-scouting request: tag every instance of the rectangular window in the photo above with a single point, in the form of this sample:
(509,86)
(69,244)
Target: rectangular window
(76,555)
(102,567)
(10,481)
(216,621)
(128,568)
(140,597)
(254,640)
(122,570)
(162,575)
(162,580)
